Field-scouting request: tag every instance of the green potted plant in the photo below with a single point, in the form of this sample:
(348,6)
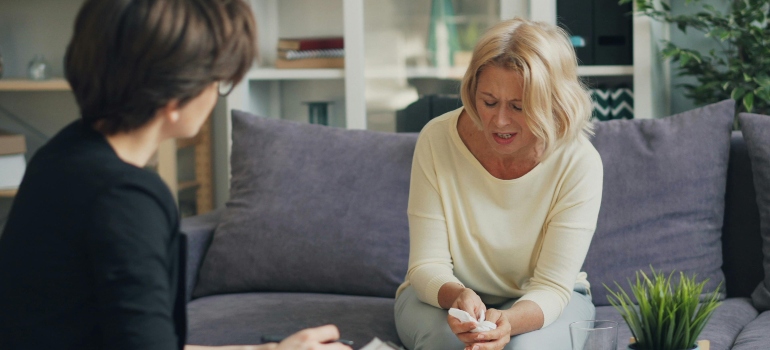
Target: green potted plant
(661,315)
(740,69)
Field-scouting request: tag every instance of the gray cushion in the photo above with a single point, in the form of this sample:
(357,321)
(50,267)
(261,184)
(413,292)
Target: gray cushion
(663,197)
(722,329)
(199,230)
(312,209)
(240,319)
(756,131)
(755,335)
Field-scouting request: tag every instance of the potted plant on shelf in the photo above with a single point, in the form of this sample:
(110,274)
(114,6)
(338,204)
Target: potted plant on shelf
(740,70)
(663,316)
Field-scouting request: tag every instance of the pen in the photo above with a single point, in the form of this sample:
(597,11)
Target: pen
(280,338)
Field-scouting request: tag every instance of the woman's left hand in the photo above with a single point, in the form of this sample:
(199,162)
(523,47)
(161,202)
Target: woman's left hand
(495,339)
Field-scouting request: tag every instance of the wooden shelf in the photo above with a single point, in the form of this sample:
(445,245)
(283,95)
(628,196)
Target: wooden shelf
(7,193)
(184,185)
(34,85)
(295,74)
(605,71)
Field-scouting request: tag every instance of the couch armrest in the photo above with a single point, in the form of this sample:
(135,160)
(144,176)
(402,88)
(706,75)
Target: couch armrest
(199,231)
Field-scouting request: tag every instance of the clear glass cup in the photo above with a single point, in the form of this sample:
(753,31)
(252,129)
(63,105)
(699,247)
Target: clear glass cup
(38,68)
(594,335)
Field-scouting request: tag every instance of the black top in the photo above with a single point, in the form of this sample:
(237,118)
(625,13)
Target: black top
(91,253)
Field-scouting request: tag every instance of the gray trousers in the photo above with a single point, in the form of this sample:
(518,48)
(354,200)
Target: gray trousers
(424,327)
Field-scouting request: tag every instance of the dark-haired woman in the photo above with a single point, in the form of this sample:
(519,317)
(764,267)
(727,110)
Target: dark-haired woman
(90,255)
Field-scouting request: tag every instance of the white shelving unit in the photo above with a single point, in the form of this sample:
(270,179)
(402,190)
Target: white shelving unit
(39,109)
(650,76)
(166,163)
(368,91)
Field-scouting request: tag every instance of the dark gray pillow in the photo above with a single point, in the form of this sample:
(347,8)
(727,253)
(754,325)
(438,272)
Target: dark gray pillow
(663,197)
(756,131)
(312,209)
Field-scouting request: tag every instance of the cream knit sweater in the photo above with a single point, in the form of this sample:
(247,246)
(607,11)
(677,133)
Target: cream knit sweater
(523,238)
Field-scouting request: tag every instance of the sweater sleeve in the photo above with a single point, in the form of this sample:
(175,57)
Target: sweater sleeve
(430,263)
(569,230)
(128,244)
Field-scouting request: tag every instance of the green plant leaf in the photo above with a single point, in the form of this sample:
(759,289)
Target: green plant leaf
(742,30)
(748,101)
(670,50)
(682,26)
(737,93)
(763,81)
(763,93)
(667,316)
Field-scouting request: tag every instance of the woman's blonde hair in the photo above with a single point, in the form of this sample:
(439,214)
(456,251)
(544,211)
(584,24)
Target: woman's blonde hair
(555,101)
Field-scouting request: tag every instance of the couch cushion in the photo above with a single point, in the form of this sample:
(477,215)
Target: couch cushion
(663,197)
(754,335)
(312,209)
(722,329)
(240,319)
(756,130)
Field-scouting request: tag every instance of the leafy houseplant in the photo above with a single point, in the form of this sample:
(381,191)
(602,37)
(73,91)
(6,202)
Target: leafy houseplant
(667,317)
(739,70)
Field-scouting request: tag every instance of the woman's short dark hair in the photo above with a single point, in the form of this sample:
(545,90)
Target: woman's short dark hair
(129,58)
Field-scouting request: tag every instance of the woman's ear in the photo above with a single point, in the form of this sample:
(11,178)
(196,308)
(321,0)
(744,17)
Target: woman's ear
(170,112)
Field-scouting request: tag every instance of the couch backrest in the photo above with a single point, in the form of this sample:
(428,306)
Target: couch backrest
(741,240)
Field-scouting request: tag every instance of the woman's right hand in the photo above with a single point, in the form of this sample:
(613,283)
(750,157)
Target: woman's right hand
(320,338)
(471,303)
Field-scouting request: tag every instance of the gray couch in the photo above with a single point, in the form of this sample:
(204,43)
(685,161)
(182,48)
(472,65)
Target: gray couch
(315,231)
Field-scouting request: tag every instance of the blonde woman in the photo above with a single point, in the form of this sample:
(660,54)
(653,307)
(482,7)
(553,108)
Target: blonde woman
(504,199)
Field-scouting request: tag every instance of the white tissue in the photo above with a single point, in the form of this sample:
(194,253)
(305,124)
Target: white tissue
(482,324)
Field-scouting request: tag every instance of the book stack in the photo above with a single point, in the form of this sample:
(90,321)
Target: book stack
(321,52)
(12,162)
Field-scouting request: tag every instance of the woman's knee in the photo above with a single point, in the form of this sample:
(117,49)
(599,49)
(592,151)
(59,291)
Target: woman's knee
(433,334)
(421,326)
(438,338)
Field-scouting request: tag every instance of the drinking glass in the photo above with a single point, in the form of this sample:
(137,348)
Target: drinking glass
(38,68)
(594,335)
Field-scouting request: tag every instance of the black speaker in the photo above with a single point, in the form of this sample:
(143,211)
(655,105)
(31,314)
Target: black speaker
(420,112)
(602,30)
